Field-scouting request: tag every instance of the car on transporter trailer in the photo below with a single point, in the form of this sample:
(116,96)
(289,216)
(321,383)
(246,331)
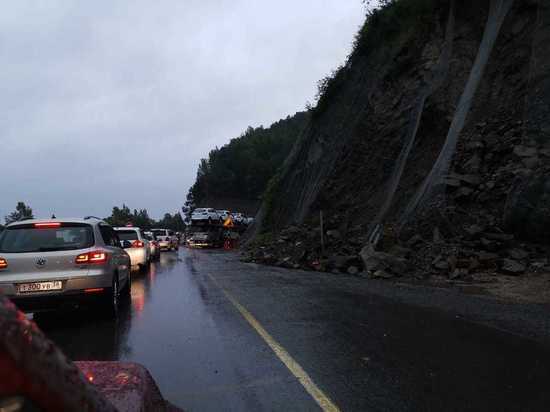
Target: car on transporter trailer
(63,263)
(206,215)
(223,214)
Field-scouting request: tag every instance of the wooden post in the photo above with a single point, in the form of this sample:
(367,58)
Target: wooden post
(322,233)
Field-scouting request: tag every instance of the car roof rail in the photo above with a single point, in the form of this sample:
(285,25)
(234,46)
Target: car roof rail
(92,217)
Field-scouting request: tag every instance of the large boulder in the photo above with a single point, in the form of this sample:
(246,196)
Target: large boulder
(374,261)
(527,209)
(512,267)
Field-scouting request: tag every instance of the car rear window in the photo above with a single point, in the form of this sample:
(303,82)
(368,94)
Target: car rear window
(127,235)
(28,238)
(159,232)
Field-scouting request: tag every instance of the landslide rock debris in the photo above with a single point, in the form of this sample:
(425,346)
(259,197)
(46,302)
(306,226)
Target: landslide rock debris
(489,214)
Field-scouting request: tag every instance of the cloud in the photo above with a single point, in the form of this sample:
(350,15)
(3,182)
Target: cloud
(107,102)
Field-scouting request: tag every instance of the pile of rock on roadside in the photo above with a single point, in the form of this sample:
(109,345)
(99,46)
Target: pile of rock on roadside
(500,184)
(299,247)
(479,253)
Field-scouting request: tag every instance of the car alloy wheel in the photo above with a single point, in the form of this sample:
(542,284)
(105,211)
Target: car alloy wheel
(115,294)
(113,304)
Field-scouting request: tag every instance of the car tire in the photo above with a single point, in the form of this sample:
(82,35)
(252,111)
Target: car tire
(113,299)
(127,291)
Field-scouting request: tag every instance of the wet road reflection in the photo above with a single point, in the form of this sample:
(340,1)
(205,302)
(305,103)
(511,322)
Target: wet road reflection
(365,350)
(200,352)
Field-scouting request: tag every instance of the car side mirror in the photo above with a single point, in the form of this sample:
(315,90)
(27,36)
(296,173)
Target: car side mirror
(126,244)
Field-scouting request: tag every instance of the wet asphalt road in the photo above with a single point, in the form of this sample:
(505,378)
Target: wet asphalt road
(366,345)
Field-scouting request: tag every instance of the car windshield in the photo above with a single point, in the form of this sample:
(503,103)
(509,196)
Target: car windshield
(159,232)
(199,211)
(127,234)
(28,238)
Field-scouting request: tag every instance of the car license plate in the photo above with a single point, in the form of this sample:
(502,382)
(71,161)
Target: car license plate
(40,286)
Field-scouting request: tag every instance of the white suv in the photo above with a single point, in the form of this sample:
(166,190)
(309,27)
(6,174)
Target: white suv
(136,245)
(206,214)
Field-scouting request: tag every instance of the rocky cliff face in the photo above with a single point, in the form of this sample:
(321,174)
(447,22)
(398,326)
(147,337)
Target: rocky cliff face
(434,143)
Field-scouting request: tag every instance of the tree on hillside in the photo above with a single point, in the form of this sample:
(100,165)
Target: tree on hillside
(123,216)
(22,211)
(120,216)
(141,219)
(242,168)
(173,222)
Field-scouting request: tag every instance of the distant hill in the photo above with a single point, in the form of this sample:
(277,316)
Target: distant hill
(235,175)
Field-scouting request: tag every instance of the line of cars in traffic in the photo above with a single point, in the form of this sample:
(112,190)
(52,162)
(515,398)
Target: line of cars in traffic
(145,246)
(60,263)
(52,264)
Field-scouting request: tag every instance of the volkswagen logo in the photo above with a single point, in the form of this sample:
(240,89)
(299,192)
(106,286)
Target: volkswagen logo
(40,262)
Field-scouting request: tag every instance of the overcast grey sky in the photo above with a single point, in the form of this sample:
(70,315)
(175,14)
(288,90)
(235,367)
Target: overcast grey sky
(106,101)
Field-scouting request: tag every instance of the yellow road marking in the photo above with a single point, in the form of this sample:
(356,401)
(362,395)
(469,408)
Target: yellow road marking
(294,367)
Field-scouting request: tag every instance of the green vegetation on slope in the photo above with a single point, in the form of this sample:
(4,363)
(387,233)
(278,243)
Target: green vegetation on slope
(242,168)
(382,26)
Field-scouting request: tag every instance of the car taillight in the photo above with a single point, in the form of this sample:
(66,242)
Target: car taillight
(96,257)
(47,225)
(3,263)
(94,290)
(138,243)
